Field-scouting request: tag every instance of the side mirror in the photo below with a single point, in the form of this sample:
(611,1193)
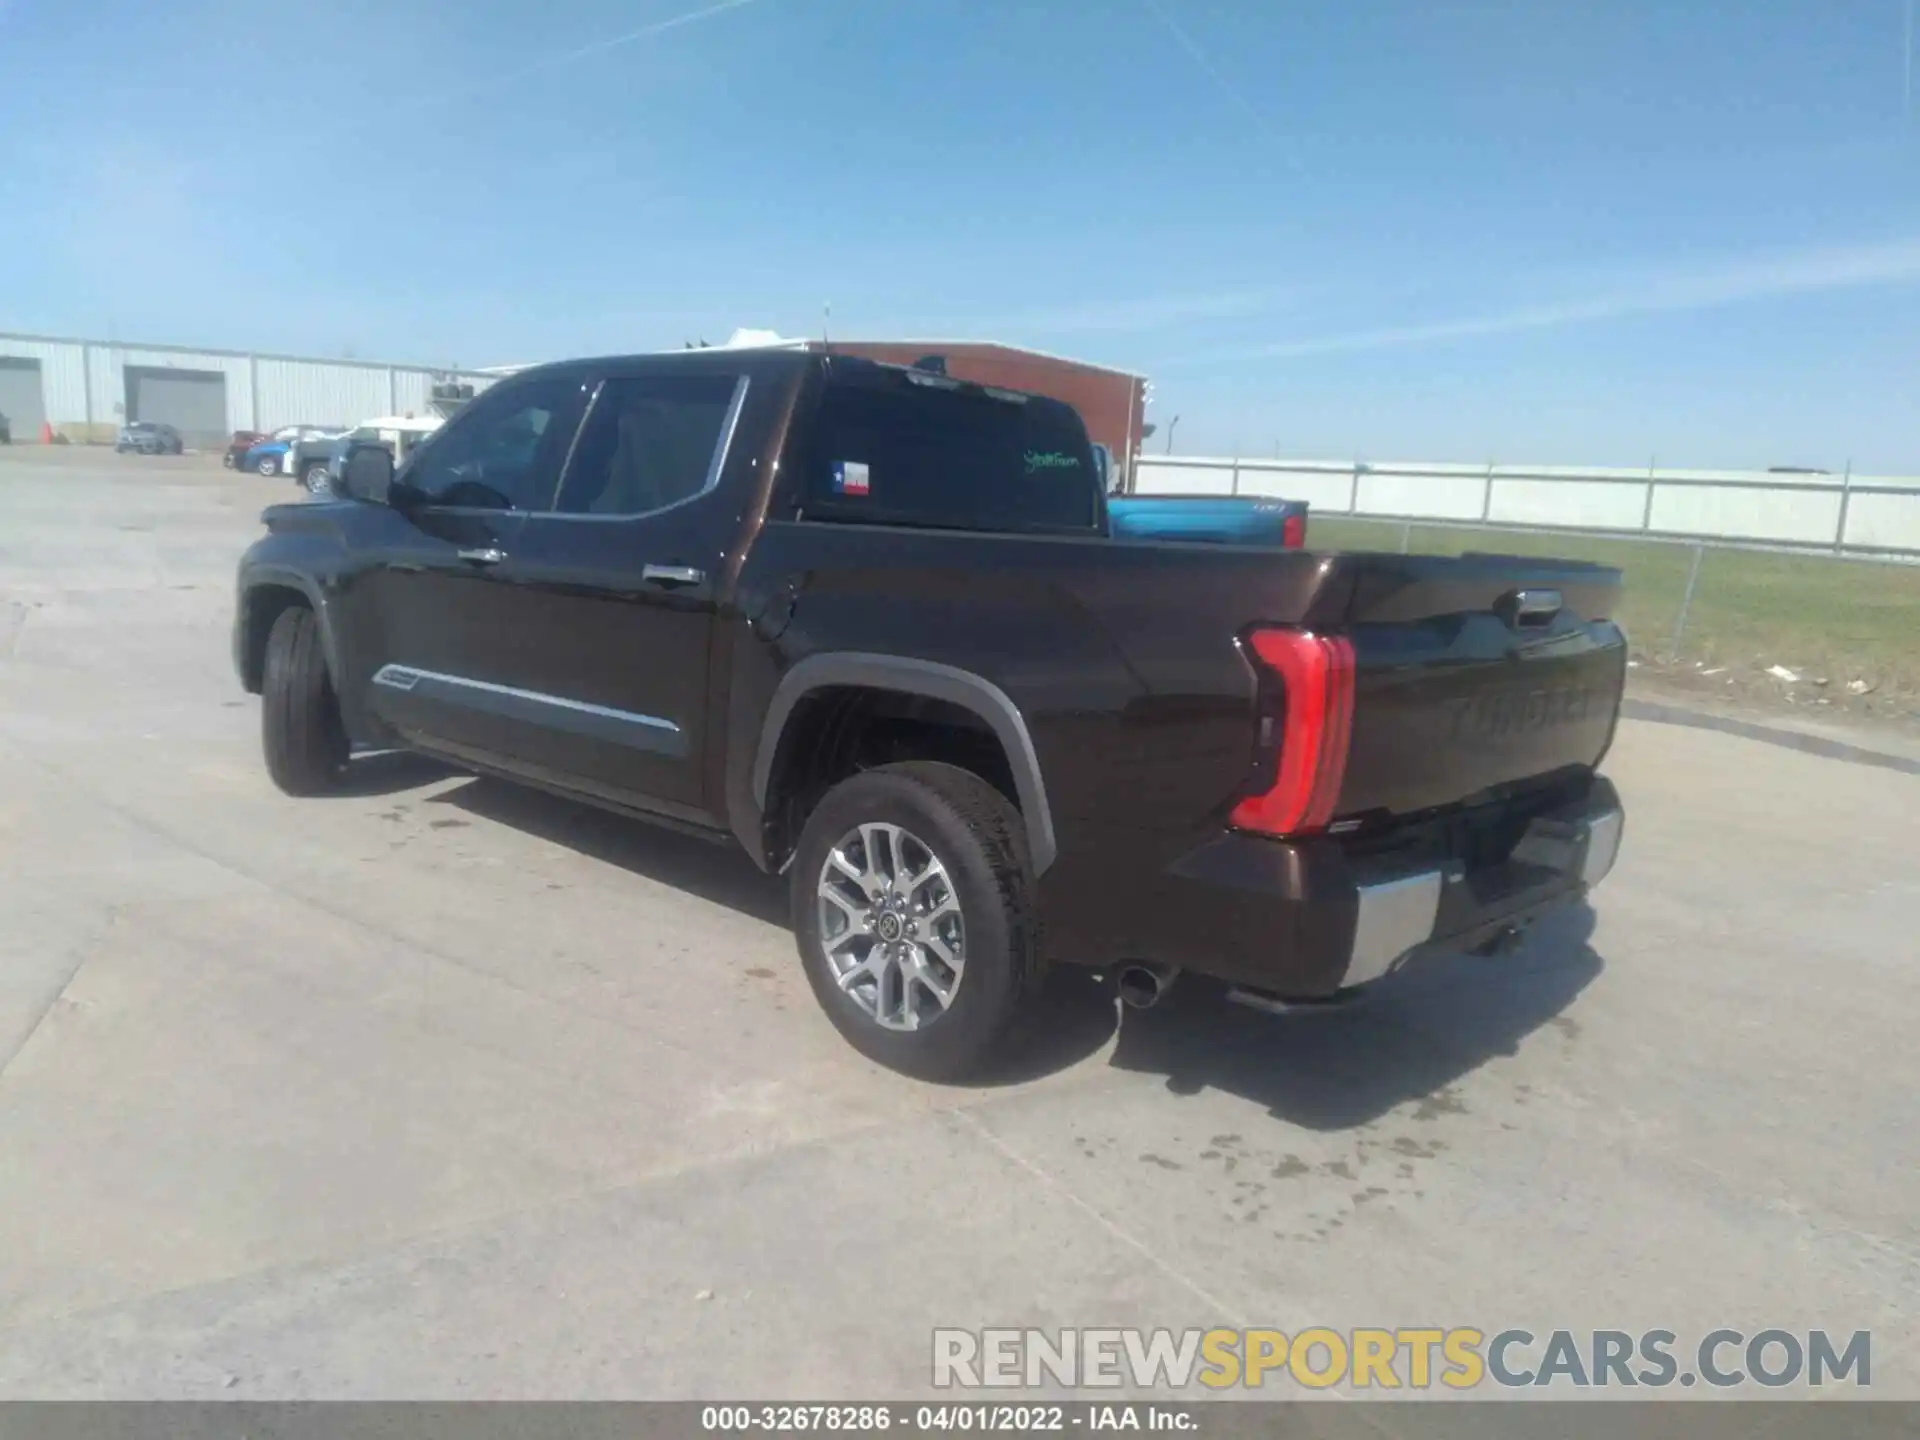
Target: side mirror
(368,473)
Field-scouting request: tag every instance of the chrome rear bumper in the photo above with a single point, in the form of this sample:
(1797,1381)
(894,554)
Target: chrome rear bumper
(1556,862)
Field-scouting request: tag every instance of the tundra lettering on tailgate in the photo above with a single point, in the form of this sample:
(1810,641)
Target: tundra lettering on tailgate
(1506,714)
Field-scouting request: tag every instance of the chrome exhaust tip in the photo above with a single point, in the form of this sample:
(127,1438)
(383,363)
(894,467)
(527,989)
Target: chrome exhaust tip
(1143,986)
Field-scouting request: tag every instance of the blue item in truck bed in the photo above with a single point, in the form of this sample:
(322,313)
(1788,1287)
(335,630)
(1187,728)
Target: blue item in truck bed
(1216,519)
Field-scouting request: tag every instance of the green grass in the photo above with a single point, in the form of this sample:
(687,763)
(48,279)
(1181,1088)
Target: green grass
(1815,614)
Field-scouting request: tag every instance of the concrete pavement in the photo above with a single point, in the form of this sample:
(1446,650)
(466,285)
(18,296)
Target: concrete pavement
(445,1089)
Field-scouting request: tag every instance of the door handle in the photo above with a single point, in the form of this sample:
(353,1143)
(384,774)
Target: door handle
(484,555)
(672,575)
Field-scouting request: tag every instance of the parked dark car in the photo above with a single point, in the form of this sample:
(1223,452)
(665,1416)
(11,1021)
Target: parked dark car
(148,437)
(871,626)
(323,462)
(238,445)
(310,459)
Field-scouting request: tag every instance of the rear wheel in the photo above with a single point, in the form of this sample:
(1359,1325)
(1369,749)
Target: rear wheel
(317,479)
(913,909)
(267,465)
(300,728)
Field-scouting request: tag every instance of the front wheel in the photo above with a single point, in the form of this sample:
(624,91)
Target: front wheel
(267,465)
(913,909)
(300,727)
(317,480)
(227,462)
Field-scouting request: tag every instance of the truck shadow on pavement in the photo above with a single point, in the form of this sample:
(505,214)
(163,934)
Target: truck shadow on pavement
(1407,1039)
(388,772)
(715,872)
(1074,1015)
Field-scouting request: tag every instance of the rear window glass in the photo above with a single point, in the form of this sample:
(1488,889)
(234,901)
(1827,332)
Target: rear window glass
(894,450)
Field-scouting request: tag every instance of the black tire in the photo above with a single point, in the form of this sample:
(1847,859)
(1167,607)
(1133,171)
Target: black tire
(267,465)
(227,461)
(980,839)
(317,480)
(300,729)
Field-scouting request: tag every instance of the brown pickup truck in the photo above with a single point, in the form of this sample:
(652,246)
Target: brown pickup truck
(873,626)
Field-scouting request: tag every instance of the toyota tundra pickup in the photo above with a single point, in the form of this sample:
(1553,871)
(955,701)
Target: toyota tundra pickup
(872,626)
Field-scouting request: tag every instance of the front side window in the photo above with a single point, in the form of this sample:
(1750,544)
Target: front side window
(499,456)
(648,443)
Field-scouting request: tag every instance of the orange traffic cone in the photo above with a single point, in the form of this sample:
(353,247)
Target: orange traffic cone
(46,433)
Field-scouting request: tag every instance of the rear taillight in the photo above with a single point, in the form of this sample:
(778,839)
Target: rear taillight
(1293,532)
(1313,698)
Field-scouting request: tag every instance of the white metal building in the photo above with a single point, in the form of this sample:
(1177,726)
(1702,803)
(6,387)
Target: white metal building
(86,389)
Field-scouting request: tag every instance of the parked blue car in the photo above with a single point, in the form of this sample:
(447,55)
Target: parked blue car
(266,457)
(269,456)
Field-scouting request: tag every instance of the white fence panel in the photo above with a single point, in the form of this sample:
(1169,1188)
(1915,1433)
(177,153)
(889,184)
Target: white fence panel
(1748,512)
(1431,494)
(1884,522)
(1596,504)
(1321,489)
(1767,507)
(1173,477)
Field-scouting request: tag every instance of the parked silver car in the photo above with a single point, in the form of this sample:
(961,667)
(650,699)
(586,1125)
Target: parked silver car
(149,438)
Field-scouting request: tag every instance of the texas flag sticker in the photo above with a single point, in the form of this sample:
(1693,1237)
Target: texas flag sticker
(850,478)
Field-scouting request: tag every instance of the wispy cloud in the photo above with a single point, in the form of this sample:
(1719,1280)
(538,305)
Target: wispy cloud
(1138,315)
(1233,93)
(1732,282)
(579,53)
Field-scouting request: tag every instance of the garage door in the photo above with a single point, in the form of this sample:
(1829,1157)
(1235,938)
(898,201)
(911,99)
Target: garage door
(22,400)
(194,402)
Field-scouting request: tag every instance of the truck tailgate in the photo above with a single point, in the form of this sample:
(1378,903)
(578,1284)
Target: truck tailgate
(1475,677)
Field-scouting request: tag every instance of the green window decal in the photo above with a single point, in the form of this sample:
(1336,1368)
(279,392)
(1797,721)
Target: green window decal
(1051,460)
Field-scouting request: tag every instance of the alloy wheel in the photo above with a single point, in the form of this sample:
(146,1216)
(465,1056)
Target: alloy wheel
(890,926)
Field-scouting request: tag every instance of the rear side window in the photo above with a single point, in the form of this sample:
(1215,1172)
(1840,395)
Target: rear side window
(892,449)
(648,443)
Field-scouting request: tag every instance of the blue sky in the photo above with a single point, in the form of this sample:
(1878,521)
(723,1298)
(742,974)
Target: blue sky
(1514,230)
